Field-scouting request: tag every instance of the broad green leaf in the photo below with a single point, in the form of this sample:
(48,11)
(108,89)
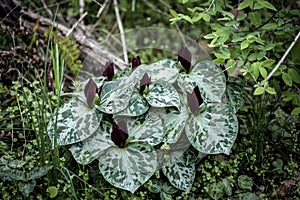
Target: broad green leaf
(259,91)
(116,95)
(245,182)
(266,4)
(162,95)
(255,18)
(245,4)
(294,74)
(268,63)
(206,17)
(130,167)
(75,122)
(216,190)
(149,129)
(7,174)
(248,196)
(137,106)
(296,111)
(263,71)
(174,13)
(244,44)
(5,160)
(235,96)
(187,18)
(26,187)
(90,149)
(287,79)
(227,186)
(208,77)
(174,125)
(269,26)
(38,172)
(180,174)
(241,16)
(214,130)
(53,191)
(270,90)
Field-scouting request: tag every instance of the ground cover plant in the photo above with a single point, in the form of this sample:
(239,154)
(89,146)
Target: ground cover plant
(62,137)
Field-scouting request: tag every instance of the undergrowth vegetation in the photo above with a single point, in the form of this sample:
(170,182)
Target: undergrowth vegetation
(255,41)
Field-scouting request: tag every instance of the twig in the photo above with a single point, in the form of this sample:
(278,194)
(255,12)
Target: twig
(76,24)
(47,9)
(121,30)
(283,57)
(81,8)
(102,7)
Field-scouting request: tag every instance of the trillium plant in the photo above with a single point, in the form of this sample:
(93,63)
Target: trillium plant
(162,116)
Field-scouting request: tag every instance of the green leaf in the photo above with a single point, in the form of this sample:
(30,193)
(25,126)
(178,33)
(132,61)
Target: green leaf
(7,174)
(287,79)
(174,13)
(235,95)
(294,74)
(248,196)
(187,18)
(53,191)
(266,5)
(216,190)
(244,44)
(263,71)
(130,167)
(26,187)
(180,174)
(162,95)
(241,16)
(75,122)
(245,182)
(90,149)
(206,17)
(259,91)
(174,125)
(270,90)
(296,111)
(5,160)
(245,4)
(148,129)
(38,172)
(269,26)
(255,18)
(214,130)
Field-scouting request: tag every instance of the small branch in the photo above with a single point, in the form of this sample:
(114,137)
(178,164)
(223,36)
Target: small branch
(76,24)
(121,30)
(81,8)
(283,57)
(101,7)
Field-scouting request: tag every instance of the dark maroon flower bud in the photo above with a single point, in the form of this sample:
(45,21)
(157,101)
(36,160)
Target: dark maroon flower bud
(109,71)
(118,136)
(185,58)
(194,100)
(145,82)
(224,70)
(135,62)
(90,91)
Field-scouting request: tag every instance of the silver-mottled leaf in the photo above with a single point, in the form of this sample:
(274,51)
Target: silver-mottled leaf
(214,130)
(38,172)
(181,174)
(6,160)
(130,167)
(7,174)
(75,122)
(148,130)
(235,96)
(26,187)
(90,149)
(163,95)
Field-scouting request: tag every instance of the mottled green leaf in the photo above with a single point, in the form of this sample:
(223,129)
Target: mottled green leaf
(162,95)
(7,174)
(26,187)
(130,167)
(180,174)
(148,130)
(245,182)
(214,130)
(90,149)
(38,172)
(235,96)
(5,160)
(75,122)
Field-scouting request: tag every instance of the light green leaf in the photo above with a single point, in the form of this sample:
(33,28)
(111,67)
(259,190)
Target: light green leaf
(214,130)
(245,182)
(187,18)
(162,95)
(75,122)
(270,90)
(148,129)
(245,4)
(266,5)
(269,26)
(244,44)
(130,167)
(206,17)
(263,71)
(296,111)
(90,149)
(287,79)
(294,74)
(180,174)
(174,13)
(259,91)
(53,191)
(255,18)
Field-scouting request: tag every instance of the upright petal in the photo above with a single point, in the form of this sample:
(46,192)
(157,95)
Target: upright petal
(135,62)
(118,136)
(185,58)
(146,80)
(109,71)
(90,91)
